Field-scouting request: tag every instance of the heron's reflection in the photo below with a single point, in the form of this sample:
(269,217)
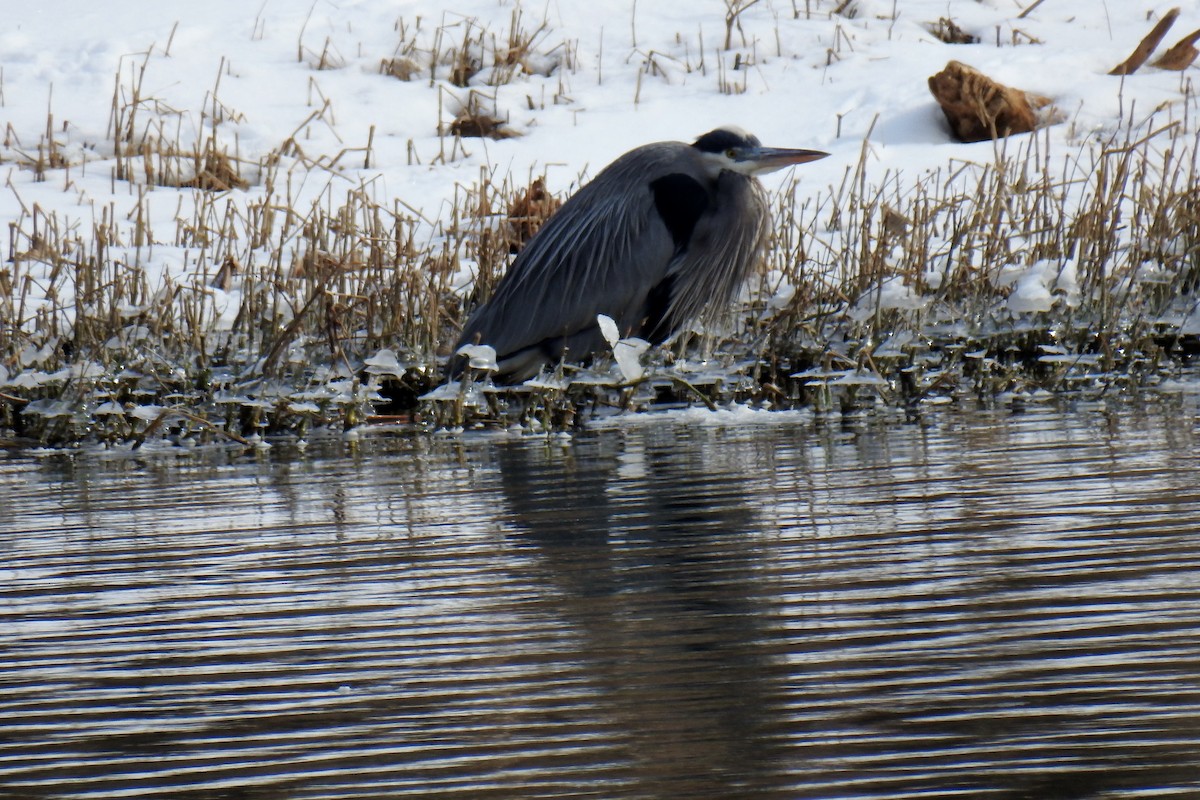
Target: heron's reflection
(653,558)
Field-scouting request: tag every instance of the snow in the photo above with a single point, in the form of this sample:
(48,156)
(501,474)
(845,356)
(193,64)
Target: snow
(638,72)
(303,81)
(889,295)
(1031,294)
(1038,287)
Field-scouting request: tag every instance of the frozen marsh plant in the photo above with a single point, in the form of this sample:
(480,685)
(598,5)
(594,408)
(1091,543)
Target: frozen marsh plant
(186,264)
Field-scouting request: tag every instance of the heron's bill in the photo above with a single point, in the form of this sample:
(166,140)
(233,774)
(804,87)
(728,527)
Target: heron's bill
(769,159)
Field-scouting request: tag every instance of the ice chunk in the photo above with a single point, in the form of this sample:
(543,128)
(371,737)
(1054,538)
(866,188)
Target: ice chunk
(48,408)
(891,348)
(473,395)
(891,294)
(860,378)
(1190,326)
(29,379)
(608,329)
(32,356)
(1031,294)
(111,408)
(86,369)
(628,353)
(148,413)
(480,356)
(447,391)
(546,380)
(1035,288)
(385,363)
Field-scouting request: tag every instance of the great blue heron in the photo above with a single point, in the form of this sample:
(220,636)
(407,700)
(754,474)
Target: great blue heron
(660,235)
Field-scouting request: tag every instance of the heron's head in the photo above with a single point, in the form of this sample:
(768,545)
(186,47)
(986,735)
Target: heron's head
(736,150)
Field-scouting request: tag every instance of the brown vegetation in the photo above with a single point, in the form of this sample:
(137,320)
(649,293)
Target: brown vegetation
(279,316)
(1146,47)
(948,31)
(1181,54)
(979,108)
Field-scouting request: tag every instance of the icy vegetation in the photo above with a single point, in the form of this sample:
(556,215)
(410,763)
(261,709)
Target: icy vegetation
(240,220)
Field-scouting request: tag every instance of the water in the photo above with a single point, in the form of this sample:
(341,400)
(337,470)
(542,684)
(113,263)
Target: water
(981,605)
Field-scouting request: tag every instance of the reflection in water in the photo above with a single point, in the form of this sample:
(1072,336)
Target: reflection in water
(654,558)
(986,605)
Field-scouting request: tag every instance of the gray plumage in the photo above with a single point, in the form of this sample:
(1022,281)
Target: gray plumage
(660,236)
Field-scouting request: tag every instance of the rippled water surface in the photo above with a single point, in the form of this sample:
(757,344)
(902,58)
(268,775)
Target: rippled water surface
(980,605)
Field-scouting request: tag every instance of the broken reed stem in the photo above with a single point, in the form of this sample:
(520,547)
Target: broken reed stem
(1146,47)
(1030,9)
(172,413)
(1181,54)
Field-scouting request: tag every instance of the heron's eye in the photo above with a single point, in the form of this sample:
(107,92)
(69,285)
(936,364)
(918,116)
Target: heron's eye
(731,153)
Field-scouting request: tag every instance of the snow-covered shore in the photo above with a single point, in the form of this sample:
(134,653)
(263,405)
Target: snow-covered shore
(170,161)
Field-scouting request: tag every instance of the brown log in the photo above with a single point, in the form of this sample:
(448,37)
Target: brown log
(979,108)
(1146,47)
(1181,55)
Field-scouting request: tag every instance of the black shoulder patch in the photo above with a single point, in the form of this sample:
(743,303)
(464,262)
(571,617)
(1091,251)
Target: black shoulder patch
(680,200)
(656,327)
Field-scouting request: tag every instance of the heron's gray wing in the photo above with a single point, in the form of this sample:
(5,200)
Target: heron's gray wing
(721,252)
(602,253)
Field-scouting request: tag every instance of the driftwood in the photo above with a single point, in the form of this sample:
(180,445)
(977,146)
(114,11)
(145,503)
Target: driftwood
(979,108)
(1146,47)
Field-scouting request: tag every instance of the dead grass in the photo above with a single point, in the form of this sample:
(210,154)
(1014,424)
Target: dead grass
(1114,231)
(278,312)
(316,291)
(948,31)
